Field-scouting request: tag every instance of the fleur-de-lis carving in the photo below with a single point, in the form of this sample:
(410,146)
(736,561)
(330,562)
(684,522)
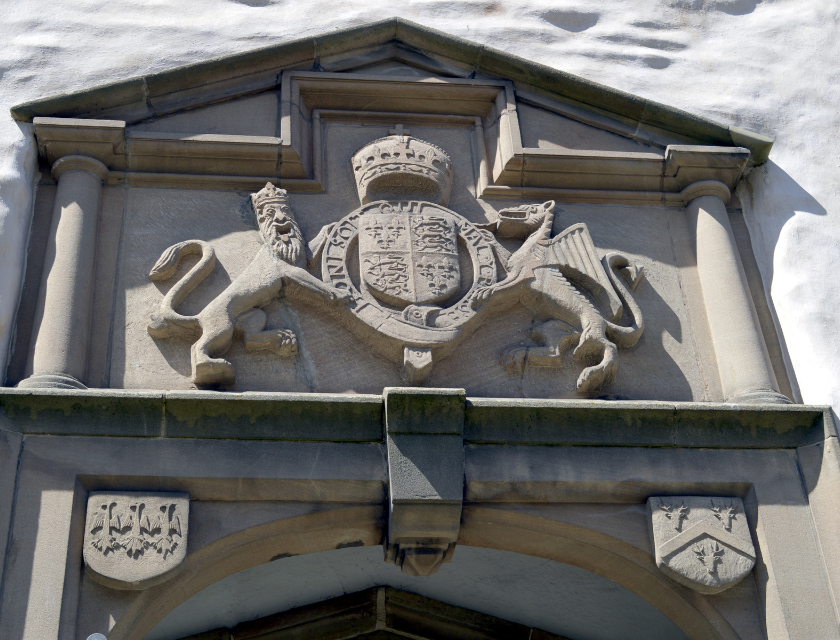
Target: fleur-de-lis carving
(709,558)
(675,514)
(726,514)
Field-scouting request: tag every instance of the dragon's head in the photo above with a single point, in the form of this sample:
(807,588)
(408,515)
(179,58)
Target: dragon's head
(522,221)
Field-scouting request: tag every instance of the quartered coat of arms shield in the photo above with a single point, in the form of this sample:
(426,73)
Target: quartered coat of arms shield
(409,259)
(701,542)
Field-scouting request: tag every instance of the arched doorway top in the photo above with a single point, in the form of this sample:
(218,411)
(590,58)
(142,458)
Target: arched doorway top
(507,531)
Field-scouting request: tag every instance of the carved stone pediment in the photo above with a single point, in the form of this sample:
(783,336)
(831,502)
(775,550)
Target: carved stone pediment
(405,211)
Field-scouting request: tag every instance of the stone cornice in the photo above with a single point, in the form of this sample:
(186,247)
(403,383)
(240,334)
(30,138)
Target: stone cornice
(361,418)
(157,94)
(148,158)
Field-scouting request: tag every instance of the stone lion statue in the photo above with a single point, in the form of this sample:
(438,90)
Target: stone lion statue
(237,310)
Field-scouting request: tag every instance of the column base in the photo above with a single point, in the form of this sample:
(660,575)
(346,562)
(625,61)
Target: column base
(50,381)
(760,396)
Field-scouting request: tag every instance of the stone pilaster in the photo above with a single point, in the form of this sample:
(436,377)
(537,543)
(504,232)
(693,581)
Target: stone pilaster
(61,332)
(746,375)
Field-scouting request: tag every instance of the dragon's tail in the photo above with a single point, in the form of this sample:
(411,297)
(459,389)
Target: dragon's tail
(165,321)
(623,336)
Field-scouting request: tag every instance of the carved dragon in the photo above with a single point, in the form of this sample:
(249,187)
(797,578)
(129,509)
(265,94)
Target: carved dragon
(543,273)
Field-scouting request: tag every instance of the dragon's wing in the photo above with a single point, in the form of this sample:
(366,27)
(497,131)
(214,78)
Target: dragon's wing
(573,252)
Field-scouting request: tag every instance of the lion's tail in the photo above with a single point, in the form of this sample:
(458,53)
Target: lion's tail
(165,321)
(623,336)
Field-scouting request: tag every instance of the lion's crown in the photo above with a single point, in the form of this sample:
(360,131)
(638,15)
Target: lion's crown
(269,194)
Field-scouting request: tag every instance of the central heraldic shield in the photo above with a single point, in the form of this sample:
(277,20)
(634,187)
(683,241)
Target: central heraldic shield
(409,258)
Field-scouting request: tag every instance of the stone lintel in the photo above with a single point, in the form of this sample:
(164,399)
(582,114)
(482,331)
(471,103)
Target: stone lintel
(360,418)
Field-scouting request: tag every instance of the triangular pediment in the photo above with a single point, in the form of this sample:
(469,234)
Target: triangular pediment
(393,48)
(308,117)
(538,133)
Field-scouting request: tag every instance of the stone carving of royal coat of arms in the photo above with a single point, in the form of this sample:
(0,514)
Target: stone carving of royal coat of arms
(412,278)
(702,542)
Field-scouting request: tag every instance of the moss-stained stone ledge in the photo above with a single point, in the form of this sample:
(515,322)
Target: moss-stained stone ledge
(653,424)
(193,414)
(361,418)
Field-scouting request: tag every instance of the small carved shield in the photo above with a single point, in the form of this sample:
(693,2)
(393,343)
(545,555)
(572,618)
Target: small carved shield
(409,258)
(135,540)
(701,542)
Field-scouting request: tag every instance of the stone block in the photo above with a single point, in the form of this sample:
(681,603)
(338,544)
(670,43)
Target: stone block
(424,430)
(424,411)
(108,412)
(274,416)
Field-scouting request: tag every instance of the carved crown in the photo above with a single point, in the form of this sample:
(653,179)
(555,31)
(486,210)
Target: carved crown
(400,167)
(269,194)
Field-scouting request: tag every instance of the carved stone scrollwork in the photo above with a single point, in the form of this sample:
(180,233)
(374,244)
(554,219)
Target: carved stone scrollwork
(701,542)
(135,540)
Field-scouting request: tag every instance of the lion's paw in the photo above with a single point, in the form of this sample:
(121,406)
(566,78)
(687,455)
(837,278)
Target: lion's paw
(284,343)
(213,372)
(342,295)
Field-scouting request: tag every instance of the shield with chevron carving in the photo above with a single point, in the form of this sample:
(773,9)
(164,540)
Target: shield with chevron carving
(701,542)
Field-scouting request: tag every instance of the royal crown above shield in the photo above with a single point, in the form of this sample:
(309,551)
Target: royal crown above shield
(399,167)
(407,255)
(411,278)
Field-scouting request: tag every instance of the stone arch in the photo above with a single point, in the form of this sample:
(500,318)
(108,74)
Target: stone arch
(601,554)
(598,553)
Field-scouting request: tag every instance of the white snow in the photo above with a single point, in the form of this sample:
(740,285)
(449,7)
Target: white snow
(769,66)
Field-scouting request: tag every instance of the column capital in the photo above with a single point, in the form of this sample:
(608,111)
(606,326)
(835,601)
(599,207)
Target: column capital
(79,163)
(706,188)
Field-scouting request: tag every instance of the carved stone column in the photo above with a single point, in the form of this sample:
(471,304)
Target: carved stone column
(61,332)
(746,375)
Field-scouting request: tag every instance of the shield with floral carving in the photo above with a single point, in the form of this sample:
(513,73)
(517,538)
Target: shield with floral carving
(702,542)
